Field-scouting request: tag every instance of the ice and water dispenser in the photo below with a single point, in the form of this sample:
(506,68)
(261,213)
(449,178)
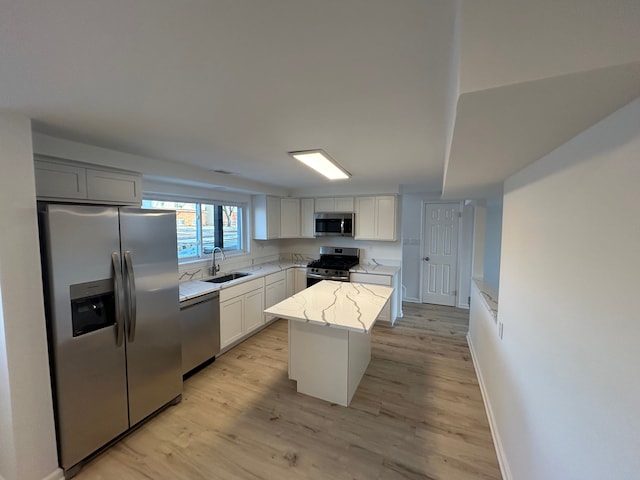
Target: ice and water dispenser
(92,306)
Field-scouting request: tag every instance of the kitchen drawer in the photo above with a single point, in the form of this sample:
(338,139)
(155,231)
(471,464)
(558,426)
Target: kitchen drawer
(371,278)
(227,293)
(274,277)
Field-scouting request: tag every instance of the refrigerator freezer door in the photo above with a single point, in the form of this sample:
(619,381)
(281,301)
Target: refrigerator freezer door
(89,369)
(148,240)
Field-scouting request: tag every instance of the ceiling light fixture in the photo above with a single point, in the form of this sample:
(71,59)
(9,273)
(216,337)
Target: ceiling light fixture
(321,163)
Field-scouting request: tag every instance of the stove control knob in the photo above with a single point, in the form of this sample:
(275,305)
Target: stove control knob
(326,271)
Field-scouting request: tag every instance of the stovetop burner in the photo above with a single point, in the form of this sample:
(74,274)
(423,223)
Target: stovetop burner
(338,260)
(334,263)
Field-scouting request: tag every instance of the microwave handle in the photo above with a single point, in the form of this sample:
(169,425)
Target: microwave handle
(342,226)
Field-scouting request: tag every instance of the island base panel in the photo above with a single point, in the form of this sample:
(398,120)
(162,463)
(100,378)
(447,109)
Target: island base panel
(359,358)
(327,363)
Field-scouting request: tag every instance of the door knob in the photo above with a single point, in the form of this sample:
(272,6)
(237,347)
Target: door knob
(426,259)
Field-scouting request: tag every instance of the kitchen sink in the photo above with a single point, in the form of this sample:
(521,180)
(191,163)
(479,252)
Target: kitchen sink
(226,278)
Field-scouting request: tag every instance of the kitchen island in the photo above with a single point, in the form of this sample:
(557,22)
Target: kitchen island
(330,336)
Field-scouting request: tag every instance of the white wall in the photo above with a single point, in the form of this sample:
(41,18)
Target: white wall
(412,243)
(510,41)
(562,384)
(388,253)
(492,243)
(27,433)
(465,252)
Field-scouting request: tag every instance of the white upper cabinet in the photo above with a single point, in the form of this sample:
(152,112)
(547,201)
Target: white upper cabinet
(386,218)
(306,217)
(108,186)
(55,180)
(365,218)
(334,204)
(59,179)
(289,217)
(276,217)
(376,218)
(266,217)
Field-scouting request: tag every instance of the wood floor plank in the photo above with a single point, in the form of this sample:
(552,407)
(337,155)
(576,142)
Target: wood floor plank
(417,414)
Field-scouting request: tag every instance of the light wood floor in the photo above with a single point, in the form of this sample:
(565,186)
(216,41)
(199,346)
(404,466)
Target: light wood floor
(417,414)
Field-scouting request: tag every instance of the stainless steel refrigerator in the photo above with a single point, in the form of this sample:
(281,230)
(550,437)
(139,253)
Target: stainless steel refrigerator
(112,303)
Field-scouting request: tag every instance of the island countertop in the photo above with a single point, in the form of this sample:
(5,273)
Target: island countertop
(351,306)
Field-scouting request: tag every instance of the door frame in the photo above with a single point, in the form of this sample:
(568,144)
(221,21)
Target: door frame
(423,211)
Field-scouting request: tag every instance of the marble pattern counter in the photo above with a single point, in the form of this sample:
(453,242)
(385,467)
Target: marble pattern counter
(489,294)
(375,269)
(351,306)
(194,288)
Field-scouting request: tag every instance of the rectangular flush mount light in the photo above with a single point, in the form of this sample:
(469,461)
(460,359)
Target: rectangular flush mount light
(321,163)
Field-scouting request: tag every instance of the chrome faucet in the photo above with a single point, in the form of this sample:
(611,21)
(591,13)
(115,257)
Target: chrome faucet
(215,268)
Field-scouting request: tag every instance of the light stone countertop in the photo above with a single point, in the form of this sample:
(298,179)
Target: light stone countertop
(352,306)
(375,269)
(489,295)
(194,288)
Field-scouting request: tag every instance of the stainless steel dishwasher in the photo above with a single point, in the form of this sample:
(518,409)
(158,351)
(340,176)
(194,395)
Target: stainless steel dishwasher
(200,325)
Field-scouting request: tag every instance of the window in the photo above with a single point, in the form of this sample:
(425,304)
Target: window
(203,226)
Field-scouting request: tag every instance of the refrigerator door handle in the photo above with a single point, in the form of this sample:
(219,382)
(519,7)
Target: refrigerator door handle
(131,283)
(117,288)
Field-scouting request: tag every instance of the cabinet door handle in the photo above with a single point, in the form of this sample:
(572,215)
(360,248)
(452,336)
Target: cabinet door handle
(426,259)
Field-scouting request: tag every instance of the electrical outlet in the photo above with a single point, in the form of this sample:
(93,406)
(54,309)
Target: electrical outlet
(500,330)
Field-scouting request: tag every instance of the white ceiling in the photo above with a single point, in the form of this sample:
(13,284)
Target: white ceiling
(235,84)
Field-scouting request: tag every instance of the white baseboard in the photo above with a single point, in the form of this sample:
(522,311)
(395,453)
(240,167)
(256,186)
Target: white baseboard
(411,300)
(57,474)
(495,434)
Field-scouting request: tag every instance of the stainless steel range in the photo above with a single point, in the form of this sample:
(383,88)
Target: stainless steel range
(334,264)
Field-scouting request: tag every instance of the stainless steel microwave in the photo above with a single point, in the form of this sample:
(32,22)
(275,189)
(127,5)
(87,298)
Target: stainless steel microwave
(333,224)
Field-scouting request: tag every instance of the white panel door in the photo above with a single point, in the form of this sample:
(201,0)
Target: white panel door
(440,254)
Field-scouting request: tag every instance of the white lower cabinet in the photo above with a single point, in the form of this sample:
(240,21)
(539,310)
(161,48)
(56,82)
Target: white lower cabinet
(241,310)
(389,312)
(253,310)
(275,291)
(242,306)
(290,281)
(300,279)
(231,314)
